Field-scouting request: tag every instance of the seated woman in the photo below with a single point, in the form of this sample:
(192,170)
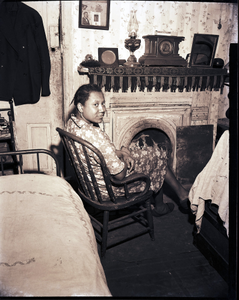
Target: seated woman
(143,155)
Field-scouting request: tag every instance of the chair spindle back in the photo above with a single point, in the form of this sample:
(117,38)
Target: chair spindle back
(81,154)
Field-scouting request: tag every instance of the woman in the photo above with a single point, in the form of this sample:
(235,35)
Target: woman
(90,109)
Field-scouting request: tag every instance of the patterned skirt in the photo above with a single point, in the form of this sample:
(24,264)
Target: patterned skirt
(150,159)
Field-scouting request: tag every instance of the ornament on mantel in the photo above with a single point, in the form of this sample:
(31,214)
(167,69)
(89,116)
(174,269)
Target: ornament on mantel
(132,44)
(89,62)
(162,50)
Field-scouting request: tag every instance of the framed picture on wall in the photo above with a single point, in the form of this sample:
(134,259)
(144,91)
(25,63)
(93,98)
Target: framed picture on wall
(94,14)
(203,50)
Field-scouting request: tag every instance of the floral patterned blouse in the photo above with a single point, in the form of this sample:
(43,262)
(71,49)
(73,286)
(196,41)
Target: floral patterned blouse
(150,159)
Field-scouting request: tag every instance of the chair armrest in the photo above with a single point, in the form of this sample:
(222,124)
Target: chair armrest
(130,179)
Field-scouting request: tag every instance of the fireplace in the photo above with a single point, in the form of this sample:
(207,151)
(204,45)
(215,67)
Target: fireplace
(159,98)
(129,114)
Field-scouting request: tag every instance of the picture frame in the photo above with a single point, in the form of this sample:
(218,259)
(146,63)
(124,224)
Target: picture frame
(94,14)
(108,57)
(203,50)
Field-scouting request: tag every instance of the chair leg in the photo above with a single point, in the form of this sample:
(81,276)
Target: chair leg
(104,233)
(150,219)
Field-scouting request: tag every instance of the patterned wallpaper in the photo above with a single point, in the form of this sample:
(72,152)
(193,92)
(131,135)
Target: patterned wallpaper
(179,18)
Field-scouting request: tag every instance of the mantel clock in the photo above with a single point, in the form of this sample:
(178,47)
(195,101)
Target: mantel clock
(162,50)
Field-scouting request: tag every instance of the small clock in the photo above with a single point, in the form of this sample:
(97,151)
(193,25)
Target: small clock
(165,47)
(108,57)
(162,50)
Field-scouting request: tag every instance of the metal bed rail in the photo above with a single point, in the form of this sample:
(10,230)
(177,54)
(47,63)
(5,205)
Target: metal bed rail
(29,151)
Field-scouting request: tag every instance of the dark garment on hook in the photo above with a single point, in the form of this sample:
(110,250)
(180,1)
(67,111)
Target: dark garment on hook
(24,55)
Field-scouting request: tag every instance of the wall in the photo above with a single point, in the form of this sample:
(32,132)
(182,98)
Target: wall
(180,18)
(36,123)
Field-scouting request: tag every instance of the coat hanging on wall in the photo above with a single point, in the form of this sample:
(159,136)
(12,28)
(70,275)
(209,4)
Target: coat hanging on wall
(24,55)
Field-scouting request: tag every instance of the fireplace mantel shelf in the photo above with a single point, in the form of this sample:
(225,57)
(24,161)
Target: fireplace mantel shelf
(156,79)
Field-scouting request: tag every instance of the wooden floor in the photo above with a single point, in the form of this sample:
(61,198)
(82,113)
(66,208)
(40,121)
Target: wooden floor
(170,266)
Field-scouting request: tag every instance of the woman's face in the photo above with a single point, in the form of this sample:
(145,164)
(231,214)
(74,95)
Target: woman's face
(94,109)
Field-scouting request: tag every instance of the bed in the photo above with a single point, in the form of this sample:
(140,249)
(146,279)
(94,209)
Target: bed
(209,198)
(47,243)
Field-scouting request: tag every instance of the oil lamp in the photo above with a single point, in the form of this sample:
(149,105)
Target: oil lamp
(132,44)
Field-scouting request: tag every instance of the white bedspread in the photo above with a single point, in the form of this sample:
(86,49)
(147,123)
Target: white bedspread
(47,243)
(213,183)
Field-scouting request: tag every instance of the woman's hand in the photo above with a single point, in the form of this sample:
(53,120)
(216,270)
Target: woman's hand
(124,149)
(129,161)
(124,155)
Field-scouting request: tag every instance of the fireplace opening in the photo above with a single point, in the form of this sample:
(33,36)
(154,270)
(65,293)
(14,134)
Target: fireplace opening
(160,138)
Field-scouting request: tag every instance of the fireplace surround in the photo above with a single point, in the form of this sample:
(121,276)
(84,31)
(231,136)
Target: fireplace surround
(161,98)
(130,114)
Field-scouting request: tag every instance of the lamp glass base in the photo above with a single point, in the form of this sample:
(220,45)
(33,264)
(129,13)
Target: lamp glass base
(132,64)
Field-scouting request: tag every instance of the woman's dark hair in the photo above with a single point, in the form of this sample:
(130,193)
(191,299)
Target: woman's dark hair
(83,93)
